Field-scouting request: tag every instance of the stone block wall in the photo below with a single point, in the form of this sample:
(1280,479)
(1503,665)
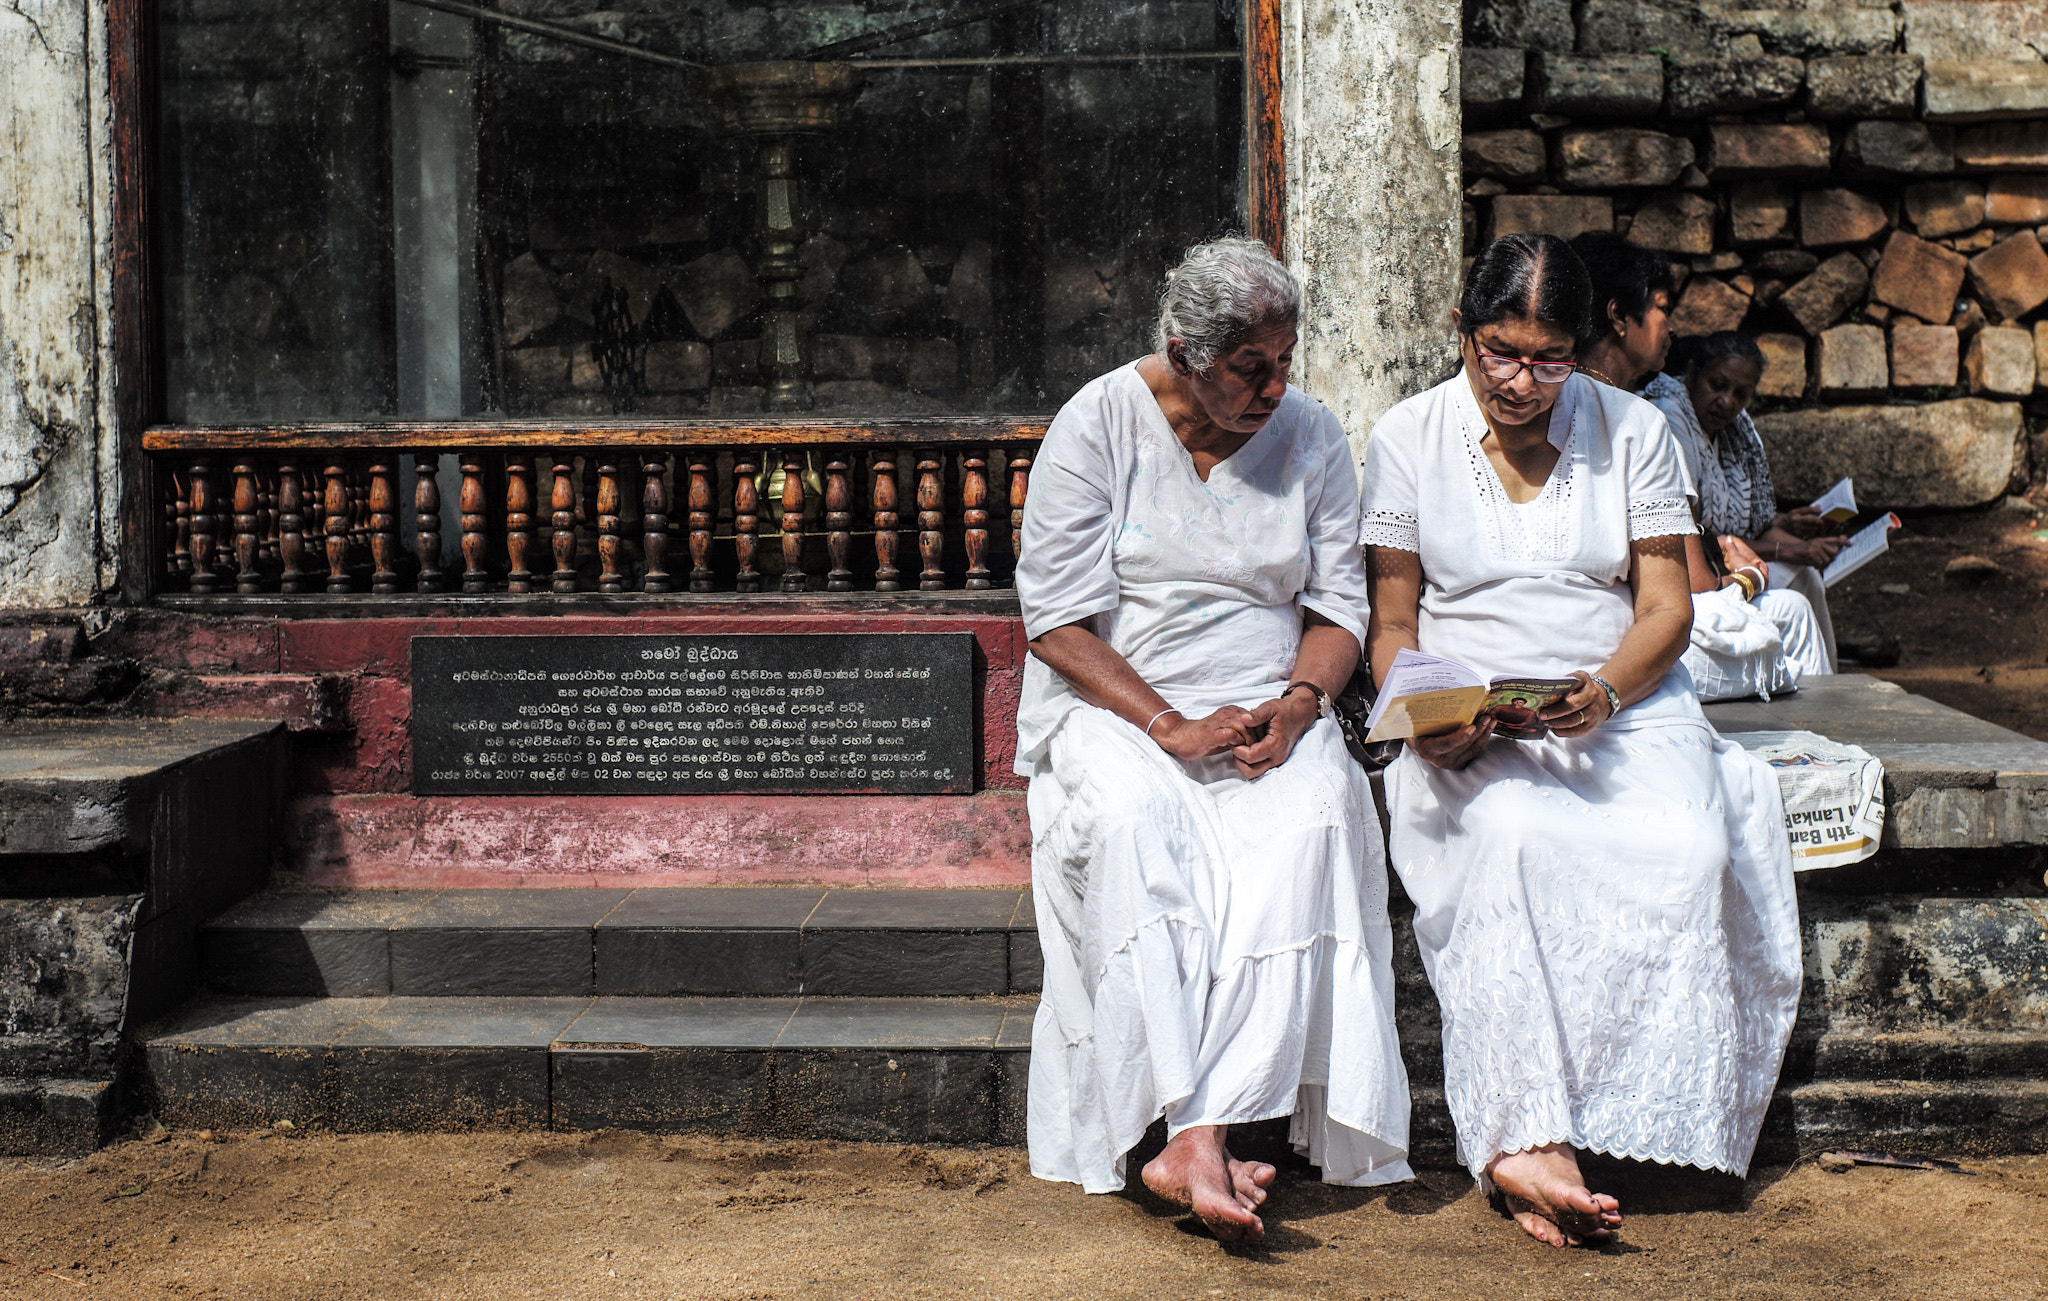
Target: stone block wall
(1862,185)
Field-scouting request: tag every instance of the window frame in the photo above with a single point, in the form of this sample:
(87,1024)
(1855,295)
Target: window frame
(138,400)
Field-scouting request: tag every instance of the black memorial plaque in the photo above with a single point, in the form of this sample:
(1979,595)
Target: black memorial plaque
(692,715)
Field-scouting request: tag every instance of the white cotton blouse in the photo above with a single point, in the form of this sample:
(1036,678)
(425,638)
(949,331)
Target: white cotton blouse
(1200,586)
(1537,588)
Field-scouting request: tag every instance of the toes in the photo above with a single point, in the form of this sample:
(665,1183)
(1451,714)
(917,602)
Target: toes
(1541,1229)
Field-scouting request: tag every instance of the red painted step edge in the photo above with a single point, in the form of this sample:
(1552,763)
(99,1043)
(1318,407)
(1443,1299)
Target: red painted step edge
(655,840)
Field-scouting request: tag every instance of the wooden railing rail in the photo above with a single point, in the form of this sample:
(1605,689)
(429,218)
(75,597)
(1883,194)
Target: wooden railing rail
(526,509)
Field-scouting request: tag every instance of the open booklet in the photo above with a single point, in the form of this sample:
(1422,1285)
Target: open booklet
(1838,504)
(1426,695)
(1865,545)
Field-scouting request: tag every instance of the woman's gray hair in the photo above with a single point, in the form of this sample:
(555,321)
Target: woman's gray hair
(1221,292)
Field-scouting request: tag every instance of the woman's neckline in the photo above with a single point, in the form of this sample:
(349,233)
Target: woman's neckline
(1165,424)
(1561,413)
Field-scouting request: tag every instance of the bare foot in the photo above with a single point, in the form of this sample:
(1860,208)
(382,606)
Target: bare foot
(1549,1198)
(1250,1179)
(1196,1171)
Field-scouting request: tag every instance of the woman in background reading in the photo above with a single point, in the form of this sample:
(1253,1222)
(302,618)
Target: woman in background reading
(1205,859)
(1606,914)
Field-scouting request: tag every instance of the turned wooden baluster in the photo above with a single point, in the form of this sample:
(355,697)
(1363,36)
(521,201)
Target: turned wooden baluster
(178,518)
(702,490)
(610,500)
(291,526)
(246,503)
(884,462)
(381,497)
(793,577)
(335,504)
(838,524)
(474,503)
(974,517)
(746,524)
(1020,487)
(654,521)
(563,499)
(518,520)
(426,519)
(203,526)
(931,522)
(266,516)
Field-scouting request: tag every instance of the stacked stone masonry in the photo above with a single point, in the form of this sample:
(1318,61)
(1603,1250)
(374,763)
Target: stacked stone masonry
(1861,185)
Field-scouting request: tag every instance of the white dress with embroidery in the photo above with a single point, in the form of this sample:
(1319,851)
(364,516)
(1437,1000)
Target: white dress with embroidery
(1608,922)
(1216,950)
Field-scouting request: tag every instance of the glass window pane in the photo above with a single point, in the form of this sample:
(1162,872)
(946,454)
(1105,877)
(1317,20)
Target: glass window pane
(377,208)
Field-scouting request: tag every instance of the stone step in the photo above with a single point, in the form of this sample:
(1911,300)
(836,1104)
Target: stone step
(628,943)
(942,1070)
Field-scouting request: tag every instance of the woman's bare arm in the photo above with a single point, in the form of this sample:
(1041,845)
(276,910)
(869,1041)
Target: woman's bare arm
(1699,574)
(1102,677)
(1326,657)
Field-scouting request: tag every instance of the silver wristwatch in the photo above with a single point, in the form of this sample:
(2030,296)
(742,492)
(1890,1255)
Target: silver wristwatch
(1613,696)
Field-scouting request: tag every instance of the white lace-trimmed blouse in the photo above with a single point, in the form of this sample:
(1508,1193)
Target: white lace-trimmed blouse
(1541,587)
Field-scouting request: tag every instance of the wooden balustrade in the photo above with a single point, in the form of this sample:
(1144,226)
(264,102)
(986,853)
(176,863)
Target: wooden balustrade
(558,516)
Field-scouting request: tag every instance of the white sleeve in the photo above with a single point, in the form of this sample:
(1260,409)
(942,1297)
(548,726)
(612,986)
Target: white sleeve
(1658,486)
(1336,576)
(1066,573)
(1387,511)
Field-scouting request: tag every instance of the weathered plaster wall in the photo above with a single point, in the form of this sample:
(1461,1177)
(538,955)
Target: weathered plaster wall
(57,468)
(1371,136)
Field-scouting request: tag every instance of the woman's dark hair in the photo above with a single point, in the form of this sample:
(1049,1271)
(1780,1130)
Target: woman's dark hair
(1623,275)
(1728,345)
(1533,277)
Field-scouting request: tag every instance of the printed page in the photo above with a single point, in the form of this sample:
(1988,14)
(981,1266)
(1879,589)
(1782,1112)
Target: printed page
(1838,503)
(1423,696)
(1863,548)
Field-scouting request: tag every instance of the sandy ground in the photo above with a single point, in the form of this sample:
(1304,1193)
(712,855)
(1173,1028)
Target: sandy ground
(629,1216)
(1978,644)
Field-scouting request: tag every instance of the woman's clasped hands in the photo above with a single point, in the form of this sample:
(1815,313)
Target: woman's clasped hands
(1258,739)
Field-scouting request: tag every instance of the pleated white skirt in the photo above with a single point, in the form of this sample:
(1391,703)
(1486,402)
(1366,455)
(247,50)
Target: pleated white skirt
(1216,952)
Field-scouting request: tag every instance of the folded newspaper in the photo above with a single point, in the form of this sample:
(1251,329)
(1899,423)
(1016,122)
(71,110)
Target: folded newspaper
(1834,795)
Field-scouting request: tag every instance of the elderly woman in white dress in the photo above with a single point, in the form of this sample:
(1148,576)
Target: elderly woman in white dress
(1606,914)
(1206,861)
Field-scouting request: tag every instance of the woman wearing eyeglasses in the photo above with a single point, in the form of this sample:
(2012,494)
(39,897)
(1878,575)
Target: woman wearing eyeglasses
(1606,914)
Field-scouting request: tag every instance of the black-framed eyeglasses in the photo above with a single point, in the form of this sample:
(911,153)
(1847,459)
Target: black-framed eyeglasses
(1495,366)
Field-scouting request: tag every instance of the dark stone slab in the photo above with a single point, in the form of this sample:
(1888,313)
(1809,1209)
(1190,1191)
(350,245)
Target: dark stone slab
(909,942)
(665,963)
(749,1023)
(709,940)
(915,910)
(449,1064)
(904,1096)
(1027,963)
(422,1088)
(246,1061)
(905,1023)
(682,714)
(507,943)
(331,942)
(54,1117)
(64,983)
(72,786)
(1012,1087)
(464,1023)
(1018,1016)
(705,908)
(663,1090)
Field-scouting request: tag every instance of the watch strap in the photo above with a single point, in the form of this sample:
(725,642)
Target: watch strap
(1322,696)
